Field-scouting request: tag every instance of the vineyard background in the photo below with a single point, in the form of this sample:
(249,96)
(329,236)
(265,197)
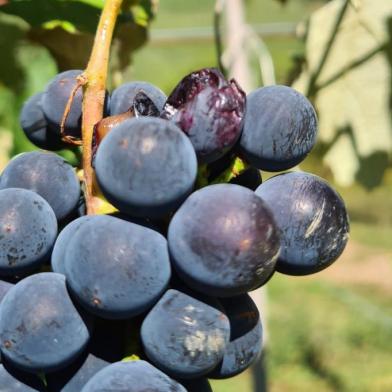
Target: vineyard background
(330,332)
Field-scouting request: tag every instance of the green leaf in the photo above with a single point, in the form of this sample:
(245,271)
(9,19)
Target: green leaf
(352,91)
(66,28)
(83,15)
(71,51)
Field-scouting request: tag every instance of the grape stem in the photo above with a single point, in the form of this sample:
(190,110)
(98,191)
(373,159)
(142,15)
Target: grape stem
(94,89)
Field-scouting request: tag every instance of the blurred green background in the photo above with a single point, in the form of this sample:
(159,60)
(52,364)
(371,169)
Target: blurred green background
(329,332)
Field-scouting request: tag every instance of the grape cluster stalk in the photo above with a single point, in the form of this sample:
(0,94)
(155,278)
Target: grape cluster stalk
(152,293)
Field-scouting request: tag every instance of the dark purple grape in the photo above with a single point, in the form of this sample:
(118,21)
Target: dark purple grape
(47,174)
(40,328)
(132,376)
(223,241)
(28,229)
(184,337)
(146,167)
(312,218)
(35,126)
(116,269)
(210,110)
(55,99)
(280,128)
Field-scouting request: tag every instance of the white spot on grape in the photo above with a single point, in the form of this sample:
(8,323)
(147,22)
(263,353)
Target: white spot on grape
(200,341)
(147,145)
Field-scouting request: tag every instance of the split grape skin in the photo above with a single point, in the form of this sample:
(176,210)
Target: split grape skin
(183,336)
(35,126)
(132,376)
(223,240)
(210,110)
(108,271)
(312,218)
(146,167)
(123,97)
(245,337)
(17,381)
(28,231)
(280,128)
(40,329)
(47,174)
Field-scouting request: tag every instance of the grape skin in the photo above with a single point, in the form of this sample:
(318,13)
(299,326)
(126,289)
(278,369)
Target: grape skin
(146,167)
(132,376)
(35,126)
(110,273)
(280,128)
(47,174)
(184,337)
(312,218)
(28,230)
(223,241)
(40,329)
(55,99)
(245,336)
(122,97)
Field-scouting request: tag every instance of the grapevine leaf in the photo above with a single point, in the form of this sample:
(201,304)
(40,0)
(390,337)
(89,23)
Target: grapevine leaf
(66,27)
(351,90)
(81,15)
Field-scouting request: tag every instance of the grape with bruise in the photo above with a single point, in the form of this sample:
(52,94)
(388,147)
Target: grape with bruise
(210,110)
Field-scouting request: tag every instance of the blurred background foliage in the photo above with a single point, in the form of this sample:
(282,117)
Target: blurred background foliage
(329,332)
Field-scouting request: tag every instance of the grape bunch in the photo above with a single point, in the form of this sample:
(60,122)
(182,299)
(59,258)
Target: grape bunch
(153,295)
